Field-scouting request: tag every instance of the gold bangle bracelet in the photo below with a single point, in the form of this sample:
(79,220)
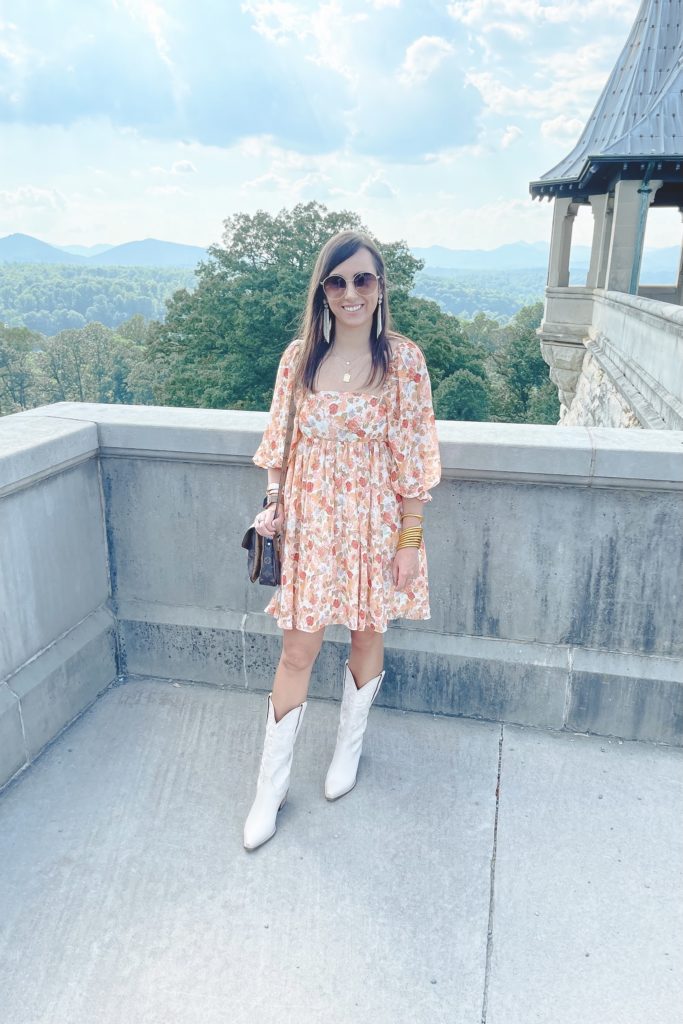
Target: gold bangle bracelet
(411,515)
(411,538)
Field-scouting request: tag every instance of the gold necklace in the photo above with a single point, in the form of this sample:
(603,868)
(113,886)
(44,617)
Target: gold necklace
(349,363)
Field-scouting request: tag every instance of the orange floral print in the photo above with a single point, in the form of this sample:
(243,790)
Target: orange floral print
(353,457)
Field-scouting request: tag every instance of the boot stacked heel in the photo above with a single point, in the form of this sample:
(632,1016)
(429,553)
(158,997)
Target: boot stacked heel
(353,719)
(272,786)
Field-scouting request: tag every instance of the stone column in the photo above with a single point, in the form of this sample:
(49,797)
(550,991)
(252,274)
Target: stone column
(602,232)
(564,212)
(679,281)
(624,240)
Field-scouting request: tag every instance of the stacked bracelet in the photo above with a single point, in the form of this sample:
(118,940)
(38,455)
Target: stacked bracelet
(411,515)
(411,537)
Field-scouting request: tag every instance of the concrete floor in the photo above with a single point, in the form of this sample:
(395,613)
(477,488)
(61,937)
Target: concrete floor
(475,873)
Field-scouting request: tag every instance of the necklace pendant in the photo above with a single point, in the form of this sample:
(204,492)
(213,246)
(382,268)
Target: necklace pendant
(347,377)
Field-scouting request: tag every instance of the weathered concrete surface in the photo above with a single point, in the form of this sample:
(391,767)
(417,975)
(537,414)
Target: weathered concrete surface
(588,905)
(556,565)
(57,631)
(55,687)
(53,559)
(542,544)
(31,446)
(127,894)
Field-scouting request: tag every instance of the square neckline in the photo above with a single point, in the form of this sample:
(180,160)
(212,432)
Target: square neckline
(331,391)
(368,394)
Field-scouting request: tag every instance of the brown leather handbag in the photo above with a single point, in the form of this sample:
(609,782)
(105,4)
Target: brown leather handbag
(264,554)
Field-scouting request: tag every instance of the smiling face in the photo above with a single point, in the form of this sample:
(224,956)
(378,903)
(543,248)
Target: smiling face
(351,309)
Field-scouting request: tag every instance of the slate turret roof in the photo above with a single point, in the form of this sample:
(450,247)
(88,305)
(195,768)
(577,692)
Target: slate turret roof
(639,115)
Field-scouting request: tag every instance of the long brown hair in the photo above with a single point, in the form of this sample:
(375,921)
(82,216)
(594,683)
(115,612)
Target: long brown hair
(337,249)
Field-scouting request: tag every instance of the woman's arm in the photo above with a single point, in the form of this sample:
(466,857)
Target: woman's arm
(406,561)
(269,521)
(413,507)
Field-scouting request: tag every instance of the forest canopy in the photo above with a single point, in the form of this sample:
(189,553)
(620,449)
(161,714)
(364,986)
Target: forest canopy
(220,340)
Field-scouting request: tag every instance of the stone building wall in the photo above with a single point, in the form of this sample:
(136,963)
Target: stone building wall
(615,358)
(597,402)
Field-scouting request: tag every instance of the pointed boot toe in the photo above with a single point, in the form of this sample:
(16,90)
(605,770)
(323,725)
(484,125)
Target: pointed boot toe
(353,717)
(273,780)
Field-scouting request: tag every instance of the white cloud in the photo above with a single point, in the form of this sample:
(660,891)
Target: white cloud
(476,13)
(29,197)
(446,222)
(511,133)
(569,81)
(562,129)
(377,187)
(277,20)
(395,110)
(508,28)
(423,57)
(316,185)
(183,167)
(158,23)
(166,190)
(269,182)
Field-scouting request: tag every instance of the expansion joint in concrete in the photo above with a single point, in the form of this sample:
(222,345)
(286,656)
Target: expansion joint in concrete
(243,635)
(568,687)
(591,468)
(489,930)
(27,754)
(120,650)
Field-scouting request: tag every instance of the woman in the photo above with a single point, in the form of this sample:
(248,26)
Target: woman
(363,457)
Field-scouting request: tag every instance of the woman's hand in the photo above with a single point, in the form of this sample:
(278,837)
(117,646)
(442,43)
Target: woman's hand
(405,567)
(269,520)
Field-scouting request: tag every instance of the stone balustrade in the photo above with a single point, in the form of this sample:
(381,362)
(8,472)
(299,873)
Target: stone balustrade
(556,568)
(617,359)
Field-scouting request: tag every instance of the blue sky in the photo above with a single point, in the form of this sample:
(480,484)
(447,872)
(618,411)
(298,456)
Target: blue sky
(125,119)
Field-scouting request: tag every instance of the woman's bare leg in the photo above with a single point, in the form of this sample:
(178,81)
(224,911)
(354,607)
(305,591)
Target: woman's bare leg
(290,687)
(366,659)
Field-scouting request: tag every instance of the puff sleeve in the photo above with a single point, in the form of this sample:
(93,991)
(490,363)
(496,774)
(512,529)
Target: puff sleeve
(412,426)
(271,449)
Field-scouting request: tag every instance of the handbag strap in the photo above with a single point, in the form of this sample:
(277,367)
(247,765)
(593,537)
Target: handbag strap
(288,445)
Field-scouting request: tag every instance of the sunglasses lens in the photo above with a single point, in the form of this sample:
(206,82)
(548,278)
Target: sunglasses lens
(365,284)
(334,286)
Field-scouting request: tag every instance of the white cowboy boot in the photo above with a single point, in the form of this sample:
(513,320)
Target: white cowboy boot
(353,718)
(273,778)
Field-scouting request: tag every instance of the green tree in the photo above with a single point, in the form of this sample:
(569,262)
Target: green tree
(462,396)
(520,381)
(17,390)
(220,344)
(92,364)
(439,335)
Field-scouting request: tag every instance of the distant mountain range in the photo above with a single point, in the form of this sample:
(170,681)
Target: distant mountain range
(534,256)
(152,252)
(514,256)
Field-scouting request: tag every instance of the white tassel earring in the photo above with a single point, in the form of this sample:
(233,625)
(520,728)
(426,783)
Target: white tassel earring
(327,322)
(379,317)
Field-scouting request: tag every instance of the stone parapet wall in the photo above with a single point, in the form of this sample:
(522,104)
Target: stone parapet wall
(555,561)
(632,373)
(57,628)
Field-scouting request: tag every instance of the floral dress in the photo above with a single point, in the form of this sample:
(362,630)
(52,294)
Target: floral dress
(353,456)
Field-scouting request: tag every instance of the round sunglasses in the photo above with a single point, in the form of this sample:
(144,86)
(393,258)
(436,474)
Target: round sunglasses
(335,285)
